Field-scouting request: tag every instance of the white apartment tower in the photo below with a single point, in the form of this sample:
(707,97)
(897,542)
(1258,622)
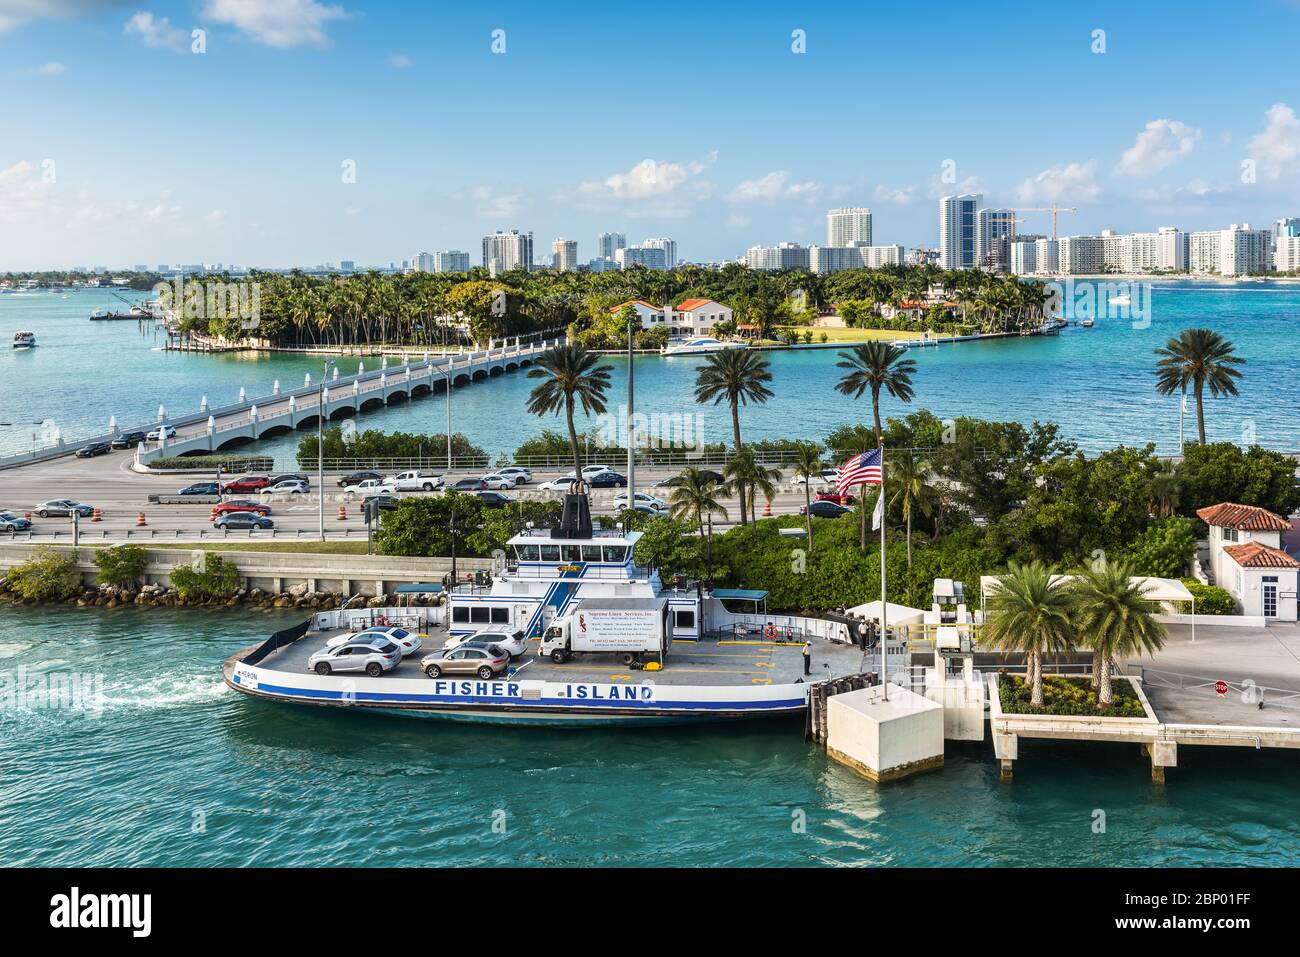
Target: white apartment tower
(848,226)
(1244,251)
(450,260)
(609,243)
(957,216)
(669,246)
(505,251)
(564,254)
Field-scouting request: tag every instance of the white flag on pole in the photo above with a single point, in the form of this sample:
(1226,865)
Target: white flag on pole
(878,515)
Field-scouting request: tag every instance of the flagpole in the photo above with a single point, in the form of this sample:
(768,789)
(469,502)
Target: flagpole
(1182,410)
(884,601)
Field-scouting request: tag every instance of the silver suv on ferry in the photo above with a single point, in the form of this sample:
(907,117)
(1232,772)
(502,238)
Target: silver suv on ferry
(374,656)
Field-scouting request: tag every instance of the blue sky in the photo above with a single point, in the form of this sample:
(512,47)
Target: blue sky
(697,121)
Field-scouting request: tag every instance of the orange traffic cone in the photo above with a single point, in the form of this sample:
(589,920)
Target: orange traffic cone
(212,516)
(343,513)
(139,521)
(767,509)
(96,514)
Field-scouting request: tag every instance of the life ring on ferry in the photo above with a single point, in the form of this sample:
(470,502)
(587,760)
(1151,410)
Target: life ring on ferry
(770,633)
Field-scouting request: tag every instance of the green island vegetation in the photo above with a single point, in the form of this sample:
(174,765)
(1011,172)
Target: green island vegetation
(121,565)
(1064,695)
(447,309)
(47,575)
(215,578)
(373,446)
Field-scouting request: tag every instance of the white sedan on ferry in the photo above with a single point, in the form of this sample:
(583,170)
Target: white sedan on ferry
(408,641)
(512,643)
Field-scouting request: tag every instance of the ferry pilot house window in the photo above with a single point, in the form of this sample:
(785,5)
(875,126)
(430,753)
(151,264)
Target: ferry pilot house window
(685,620)
(460,613)
(527,553)
(479,614)
(571,553)
(615,553)
(591,553)
(500,616)
(550,553)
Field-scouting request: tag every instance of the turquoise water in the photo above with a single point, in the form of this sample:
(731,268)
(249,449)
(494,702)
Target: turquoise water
(1096,383)
(277,785)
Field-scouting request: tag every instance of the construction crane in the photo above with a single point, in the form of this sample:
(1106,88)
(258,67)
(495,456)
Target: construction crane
(1053,209)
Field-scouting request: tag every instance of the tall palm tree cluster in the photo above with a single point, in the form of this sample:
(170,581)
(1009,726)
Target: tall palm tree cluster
(1035,612)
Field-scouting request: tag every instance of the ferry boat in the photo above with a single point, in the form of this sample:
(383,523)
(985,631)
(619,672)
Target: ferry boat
(24,340)
(724,657)
(698,346)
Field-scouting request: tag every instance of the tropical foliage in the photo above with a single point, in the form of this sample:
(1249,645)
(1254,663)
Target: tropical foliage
(47,575)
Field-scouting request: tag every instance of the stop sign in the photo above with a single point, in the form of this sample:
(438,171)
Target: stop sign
(1221,688)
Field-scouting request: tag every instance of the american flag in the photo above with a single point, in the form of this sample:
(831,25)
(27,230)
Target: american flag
(862,469)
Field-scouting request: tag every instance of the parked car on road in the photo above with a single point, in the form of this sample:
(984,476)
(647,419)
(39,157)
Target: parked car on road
(620,501)
(371,487)
(521,475)
(127,440)
(495,480)
(200,488)
(13,522)
(356,478)
(374,656)
(63,506)
(249,483)
(416,481)
(468,485)
(495,499)
(487,663)
(242,520)
(607,479)
(292,486)
(244,505)
(512,643)
(291,477)
(157,434)
(821,509)
(93,449)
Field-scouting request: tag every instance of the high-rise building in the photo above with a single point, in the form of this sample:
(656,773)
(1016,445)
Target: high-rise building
(1203,251)
(602,264)
(564,254)
(651,257)
(669,246)
(780,256)
(848,226)
(347,265)
(993,231)
(1244,251)
(957,216)
(609,243)
(1023,255)
(827,259)
(451,260)
(505,251)
(423,262)
(1286,253)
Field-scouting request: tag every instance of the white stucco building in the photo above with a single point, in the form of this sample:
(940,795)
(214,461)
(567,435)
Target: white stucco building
(694,317)
(1247,559)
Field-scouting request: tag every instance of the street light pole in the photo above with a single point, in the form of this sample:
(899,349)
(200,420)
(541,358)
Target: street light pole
(631,391)
(320,446)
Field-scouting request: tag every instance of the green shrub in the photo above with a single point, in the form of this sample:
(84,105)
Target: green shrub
(218,578)
(210,463)
(1068,696)
(47,576)
(121,565)
(1211,599)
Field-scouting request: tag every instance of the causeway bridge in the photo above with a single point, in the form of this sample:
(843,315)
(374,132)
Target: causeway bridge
(250,419)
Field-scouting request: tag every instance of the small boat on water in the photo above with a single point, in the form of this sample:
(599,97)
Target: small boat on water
(24,340)
(1089,323)
(698,346)
(1121,300)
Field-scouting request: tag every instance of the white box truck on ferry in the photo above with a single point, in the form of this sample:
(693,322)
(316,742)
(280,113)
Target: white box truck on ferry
(637,629)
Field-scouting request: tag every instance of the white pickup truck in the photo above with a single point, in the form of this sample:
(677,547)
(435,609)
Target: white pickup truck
(415,481)
(371,487)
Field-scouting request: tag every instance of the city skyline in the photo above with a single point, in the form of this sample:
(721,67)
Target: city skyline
(194,166)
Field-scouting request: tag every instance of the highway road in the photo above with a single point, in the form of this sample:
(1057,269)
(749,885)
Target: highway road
(122,494)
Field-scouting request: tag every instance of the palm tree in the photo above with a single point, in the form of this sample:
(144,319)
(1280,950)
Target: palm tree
(808,463)
(570,372)
(1029,611)
(913,493)
(696,495)
(1114,619)
(1198,358)
(874,366)
(739,376)
(749,476)
(1162,490)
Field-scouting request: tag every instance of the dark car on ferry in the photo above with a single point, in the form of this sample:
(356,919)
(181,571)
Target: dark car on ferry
(607,480)
(201,488)
(249,483)
(127,440)
(93,449)
(822,509)
(494,499)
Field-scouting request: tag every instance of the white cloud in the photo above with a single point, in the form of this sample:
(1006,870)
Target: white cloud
(156,32)
(277,23)
(1162,144)
(655,188)
(902,196)
(399,62)
(53,68)
(775,185)
(14,13)
(1062,182)
(22,191)
(491,203)
(939,188)
(1278,146)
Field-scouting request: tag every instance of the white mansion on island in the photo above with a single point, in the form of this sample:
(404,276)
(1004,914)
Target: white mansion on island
(1247,559)
(694,317)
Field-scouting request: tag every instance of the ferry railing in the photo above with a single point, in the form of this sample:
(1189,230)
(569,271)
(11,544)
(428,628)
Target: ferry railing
(281,639)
